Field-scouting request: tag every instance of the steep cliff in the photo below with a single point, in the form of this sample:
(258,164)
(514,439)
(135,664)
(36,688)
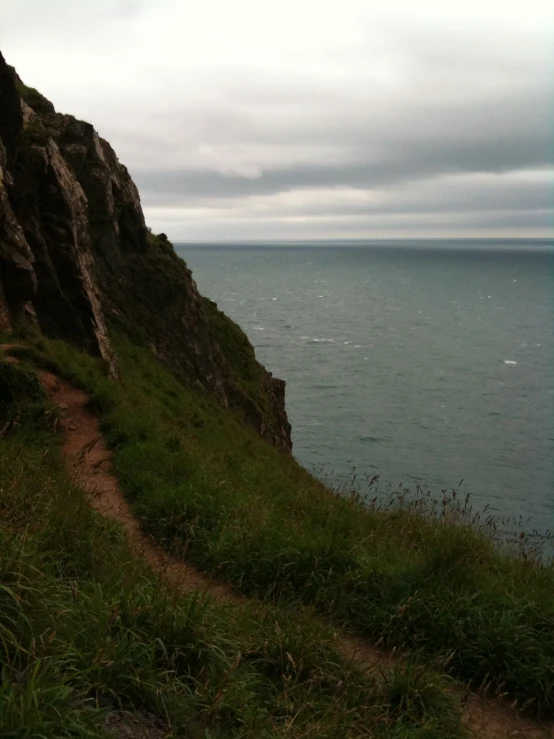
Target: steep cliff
(77,259)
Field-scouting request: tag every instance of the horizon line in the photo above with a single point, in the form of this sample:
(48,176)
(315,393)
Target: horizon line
(510,239)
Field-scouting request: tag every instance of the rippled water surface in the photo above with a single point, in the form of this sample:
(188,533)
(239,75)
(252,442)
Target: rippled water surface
(421,364)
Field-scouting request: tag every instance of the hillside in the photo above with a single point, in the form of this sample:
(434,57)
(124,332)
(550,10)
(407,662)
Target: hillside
(77,259)
(306,613)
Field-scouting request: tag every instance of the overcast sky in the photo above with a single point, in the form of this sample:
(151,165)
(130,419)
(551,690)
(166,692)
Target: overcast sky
(270,119)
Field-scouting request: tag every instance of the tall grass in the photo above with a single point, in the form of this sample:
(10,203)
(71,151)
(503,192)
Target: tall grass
(432,581)
(87,632)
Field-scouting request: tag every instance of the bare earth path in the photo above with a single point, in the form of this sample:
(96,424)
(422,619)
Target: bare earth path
(89,462)
(88,458)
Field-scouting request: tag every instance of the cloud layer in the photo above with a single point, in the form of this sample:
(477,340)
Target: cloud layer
(267,120)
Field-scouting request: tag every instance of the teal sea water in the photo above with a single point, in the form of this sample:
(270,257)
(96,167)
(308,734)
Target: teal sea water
(424,363)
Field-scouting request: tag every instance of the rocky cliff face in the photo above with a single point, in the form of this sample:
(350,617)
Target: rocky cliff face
(77,259)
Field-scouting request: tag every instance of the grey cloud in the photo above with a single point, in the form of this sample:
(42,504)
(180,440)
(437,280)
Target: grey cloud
(359,148)
(426,198)
(176,187)
(409,103)
(490,224)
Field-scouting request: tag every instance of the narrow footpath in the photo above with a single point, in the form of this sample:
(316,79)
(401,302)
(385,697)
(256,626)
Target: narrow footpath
(89,462)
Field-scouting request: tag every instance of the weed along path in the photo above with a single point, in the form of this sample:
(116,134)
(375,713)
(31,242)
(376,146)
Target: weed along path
(89,462)
(88,456)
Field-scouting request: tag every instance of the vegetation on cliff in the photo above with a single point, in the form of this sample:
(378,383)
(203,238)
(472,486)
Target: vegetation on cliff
(209,489)
(93,645)
(76,258)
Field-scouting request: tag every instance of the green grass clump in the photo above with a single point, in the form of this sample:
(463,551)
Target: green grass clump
(35,99)
(17,385)
(160,243)
(248,375)
(205,486)
(22,399)
(88,632)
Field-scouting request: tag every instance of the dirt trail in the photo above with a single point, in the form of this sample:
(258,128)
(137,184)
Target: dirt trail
(89,462)
(89,458)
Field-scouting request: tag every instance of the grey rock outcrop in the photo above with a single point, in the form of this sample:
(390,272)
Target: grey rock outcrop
(76,258)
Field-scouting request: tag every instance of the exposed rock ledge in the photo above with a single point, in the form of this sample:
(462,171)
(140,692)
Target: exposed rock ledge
(76,258)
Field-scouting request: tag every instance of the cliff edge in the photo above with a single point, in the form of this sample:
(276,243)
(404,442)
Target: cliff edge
(77,259)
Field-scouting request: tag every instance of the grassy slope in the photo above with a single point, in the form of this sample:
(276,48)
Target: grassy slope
(86,630)
(249,376)
(206,485)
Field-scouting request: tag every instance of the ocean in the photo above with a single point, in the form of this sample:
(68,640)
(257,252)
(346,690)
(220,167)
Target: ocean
(426,363)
